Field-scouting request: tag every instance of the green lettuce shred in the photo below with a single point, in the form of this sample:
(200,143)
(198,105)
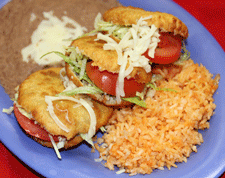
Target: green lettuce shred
(66,58)
(82,90)
(102,128)
(87,34)
(185,55)
(140,95)
(112,29)
(78,62)
(160,89)
(83,68)
(136,100)
(8,111)
(75,60)
(119,32)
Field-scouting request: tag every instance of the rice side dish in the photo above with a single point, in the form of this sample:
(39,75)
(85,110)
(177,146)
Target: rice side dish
(139,140)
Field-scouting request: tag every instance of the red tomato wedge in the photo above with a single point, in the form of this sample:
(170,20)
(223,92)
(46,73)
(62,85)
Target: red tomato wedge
(31,128)
(106,81)
(168,50)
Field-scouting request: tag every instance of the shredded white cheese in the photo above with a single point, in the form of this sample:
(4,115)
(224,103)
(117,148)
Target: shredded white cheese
(61,142)
(51,35)
(120,171)
(87,139)
(139,38)
(49,100)
(98,159)
(66,111)
(23,111)
(55,147)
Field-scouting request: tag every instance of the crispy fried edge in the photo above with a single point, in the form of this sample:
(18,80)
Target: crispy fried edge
(98,109)
(70,143)
(129,15)
(103,100)
(106,59)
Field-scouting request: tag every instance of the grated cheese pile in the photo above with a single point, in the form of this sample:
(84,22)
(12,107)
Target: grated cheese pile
(51,35)
(134,43)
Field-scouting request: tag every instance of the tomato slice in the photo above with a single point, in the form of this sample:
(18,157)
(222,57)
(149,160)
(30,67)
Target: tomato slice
(31,128)
(106,81)
(168,50)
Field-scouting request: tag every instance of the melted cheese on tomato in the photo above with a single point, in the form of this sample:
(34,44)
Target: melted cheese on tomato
(134,43)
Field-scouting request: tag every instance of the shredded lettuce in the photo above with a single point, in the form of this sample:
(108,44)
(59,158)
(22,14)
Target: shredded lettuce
(23,112)
(87,34)
(185,55)
(102,128)
(66,58)
(16,94)
(77,65)
(120,31)
(78,62)
(112,29)
(160,89)
(140,95)
(75,60)
(8,111)
(83,68)
(55,147)
(136,100)
(82,90)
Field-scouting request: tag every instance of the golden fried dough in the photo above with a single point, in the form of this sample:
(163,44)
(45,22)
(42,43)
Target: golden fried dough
(98,97)
(130,15)
(106,59)
(70,143)
(71,75)
(47,82)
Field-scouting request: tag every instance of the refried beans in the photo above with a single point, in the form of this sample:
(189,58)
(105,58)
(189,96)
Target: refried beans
(16,30)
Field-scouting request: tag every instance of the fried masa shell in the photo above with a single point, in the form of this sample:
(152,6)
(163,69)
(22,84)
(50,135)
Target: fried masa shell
(70,143)
(130,15)
(98,97)
(106,59)
(47,82)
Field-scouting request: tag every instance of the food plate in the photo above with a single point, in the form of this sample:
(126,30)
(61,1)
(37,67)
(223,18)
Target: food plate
(79,162)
